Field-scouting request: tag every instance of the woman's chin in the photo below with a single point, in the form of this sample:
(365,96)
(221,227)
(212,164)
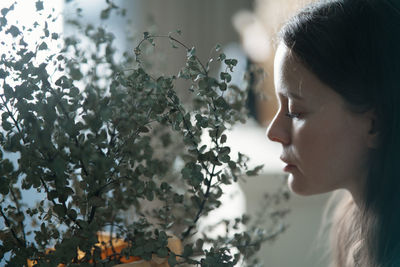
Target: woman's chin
(300,187)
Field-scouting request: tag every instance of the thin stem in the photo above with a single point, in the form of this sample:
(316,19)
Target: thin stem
(175,40)
(8,224)
(54,203)
(13,119)
(211,174)
(21,223)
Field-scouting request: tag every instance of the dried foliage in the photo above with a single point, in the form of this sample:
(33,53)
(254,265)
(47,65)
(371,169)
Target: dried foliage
(100,137)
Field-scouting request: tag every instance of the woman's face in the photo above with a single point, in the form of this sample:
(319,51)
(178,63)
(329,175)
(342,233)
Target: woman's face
(324,144)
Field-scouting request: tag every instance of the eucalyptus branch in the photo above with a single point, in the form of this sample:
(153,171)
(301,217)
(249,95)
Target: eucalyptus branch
(99,191)
(16,124)
(41,179)
(202,205)
(93,210)
(8,224)
(21,223)
(150,37)
(211,174)
(112,140)
(63,204)
(209,184)
(135,135)
(113,181)
(65,113)
(190,133)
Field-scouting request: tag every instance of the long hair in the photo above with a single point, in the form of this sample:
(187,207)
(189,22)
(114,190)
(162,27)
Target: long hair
(353,46)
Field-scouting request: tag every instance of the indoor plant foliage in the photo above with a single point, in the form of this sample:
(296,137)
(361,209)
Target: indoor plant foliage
(100,137)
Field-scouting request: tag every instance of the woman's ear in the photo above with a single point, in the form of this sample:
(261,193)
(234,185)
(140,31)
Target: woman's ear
(373,133)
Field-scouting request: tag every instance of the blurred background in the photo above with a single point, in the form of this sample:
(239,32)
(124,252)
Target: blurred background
(246,30)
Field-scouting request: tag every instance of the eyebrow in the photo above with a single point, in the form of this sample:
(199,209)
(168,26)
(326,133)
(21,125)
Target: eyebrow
(292,95)
(295,96)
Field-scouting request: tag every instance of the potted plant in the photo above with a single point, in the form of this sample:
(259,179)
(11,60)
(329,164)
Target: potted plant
(100,139)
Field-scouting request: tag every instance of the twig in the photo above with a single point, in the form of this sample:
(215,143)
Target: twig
(14,120)
(175,40)
(8,224)
(21,223)
(202,205)
(63,204)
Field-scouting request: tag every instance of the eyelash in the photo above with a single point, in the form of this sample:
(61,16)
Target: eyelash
(292,115)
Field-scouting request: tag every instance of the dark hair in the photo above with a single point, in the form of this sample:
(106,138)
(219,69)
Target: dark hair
(354,47)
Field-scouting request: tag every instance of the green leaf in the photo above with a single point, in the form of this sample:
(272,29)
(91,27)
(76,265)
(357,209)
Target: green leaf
(4,185)
(138,251)
(187,251)
(76,74)
(149,195)
(199,244)
(3,74)
(72,214)
(4,11)
(223,139)
(8,91)
(13,30)
(255,171)
(59,209)
(4,117)
(105,13)
(220,102)
(225,76)
(224,158)
(162,252)
(222,86)
(6,125)
(144,129)
(149,246)
(43,46)
(6,166)
(23,43)
(3,22)
(172,260)
(177,198)
(39,5)
(221,57)
(73,91)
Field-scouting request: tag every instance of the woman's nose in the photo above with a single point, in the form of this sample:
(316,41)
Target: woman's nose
(278,130)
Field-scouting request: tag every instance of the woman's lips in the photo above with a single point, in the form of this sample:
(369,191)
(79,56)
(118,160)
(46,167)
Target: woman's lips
(289,166)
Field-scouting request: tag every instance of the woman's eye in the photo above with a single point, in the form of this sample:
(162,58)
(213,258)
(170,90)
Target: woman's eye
(293,115)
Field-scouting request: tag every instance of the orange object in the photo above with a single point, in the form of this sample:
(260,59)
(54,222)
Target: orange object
(107,251)
(174,244)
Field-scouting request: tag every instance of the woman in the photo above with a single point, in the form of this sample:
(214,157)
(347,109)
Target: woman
(337,78)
